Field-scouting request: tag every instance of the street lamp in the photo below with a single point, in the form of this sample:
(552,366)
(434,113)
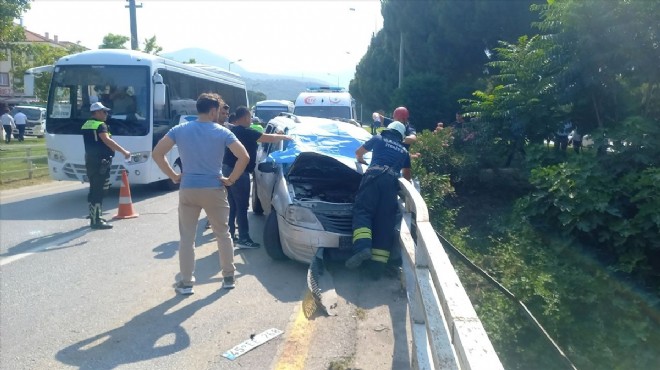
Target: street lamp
(230,63)
(330,74)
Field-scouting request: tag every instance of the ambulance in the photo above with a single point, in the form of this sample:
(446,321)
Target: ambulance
(326,102)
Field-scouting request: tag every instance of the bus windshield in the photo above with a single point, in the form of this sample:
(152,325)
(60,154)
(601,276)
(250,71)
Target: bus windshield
(123,89)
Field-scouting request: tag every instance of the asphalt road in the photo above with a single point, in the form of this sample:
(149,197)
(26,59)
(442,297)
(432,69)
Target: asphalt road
(73,298)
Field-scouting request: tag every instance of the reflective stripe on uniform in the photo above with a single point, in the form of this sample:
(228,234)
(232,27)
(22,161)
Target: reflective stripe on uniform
(361,233)
(380,255)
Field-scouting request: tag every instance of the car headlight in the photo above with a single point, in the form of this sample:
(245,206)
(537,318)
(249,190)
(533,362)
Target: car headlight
(302,216)
(138,157)
(56,155)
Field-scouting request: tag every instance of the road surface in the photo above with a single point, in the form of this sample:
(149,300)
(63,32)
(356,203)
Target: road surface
(73,298)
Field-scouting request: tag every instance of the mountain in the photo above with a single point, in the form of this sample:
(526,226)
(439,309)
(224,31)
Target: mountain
(273,86)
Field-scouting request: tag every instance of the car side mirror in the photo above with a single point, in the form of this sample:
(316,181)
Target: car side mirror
(267,167)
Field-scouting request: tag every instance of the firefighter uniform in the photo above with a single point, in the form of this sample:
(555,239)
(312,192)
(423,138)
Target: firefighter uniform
(98,158)
(375,207)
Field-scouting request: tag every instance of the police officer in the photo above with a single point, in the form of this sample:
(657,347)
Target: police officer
(99,150)
(375,208)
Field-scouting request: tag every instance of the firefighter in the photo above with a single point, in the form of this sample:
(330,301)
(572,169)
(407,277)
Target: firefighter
(375,208)
(99,150)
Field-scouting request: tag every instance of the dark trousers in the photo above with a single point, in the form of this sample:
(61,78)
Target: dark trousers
(561,142)
(238,196)
(21,132)
(98,172)
(7,133)
(375,213)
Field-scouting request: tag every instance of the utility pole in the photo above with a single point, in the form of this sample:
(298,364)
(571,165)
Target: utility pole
(401,60)
(134,38)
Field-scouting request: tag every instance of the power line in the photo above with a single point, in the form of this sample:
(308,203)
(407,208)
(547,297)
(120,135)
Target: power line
(463,258)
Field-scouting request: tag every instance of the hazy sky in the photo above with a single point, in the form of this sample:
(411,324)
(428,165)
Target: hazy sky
(300,38)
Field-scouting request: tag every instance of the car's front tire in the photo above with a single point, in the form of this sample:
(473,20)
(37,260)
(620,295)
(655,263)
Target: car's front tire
(272,242)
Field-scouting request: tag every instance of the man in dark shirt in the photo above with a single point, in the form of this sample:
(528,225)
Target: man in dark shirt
(99,150)
(375,207)
(239,193)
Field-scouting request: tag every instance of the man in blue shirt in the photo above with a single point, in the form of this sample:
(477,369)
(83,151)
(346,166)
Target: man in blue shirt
(202,145)
(375,207)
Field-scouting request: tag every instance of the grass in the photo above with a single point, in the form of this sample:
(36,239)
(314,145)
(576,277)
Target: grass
(15,166)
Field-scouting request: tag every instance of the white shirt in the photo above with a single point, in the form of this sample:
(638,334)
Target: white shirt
(20,119)
(7,120)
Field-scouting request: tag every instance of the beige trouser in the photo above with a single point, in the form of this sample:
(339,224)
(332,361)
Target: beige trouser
(214,202)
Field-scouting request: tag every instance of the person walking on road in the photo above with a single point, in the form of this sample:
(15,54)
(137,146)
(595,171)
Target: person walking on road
(375,208)
(7,124)
(239,193)
(20,119)
(99,150)
(202,144)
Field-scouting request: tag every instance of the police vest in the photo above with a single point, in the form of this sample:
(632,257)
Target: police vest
(94,146)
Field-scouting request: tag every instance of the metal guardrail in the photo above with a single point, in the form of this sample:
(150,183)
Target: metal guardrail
(29,170)
(446,331)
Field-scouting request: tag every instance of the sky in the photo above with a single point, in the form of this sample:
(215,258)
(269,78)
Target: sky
(314,38)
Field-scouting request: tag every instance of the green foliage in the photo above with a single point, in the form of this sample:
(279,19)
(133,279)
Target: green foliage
(615,211)
(423,95)
(112,41)
(255,96)
(26,56)
(150,46)
(598,321)
(10,33)
(445,39)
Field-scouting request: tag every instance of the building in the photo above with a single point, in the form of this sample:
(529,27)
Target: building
(8,93)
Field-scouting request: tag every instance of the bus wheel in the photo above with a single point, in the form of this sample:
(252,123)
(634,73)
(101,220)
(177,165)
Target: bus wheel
(169,184)
(272,242)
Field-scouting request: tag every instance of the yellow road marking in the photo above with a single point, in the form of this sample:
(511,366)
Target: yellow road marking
(296,346)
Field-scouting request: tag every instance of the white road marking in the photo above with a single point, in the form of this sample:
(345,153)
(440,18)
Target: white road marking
(41,248)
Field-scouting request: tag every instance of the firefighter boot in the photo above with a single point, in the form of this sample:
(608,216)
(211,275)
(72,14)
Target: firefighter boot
(95,220)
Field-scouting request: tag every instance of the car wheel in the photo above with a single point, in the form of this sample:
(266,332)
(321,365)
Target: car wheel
(272,242)
(168,184)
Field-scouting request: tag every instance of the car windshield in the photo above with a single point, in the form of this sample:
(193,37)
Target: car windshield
(32,114)
(336,139)
(265,114)
(323,111)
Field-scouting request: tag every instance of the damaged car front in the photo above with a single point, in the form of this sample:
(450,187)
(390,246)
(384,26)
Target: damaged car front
(308,185)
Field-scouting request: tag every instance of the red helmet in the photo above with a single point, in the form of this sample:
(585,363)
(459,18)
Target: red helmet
(401,114)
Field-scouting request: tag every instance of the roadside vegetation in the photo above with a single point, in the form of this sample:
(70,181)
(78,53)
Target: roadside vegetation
(573,235)
(23,163)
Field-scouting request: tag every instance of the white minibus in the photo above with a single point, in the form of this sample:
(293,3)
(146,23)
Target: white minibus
(148,95)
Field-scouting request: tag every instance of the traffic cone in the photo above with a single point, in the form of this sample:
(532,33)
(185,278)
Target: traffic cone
(125,203)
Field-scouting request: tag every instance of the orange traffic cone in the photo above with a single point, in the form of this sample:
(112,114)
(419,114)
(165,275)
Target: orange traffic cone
(125,203)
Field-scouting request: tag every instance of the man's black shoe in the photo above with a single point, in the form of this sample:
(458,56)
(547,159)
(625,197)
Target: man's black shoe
(101,225)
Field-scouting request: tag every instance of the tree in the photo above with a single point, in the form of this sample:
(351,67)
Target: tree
(10,33)
(150,46)
(112,41)
(443,38)
(34,55)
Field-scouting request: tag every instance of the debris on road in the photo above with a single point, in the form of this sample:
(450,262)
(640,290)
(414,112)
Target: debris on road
(254,341)
(321,286)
